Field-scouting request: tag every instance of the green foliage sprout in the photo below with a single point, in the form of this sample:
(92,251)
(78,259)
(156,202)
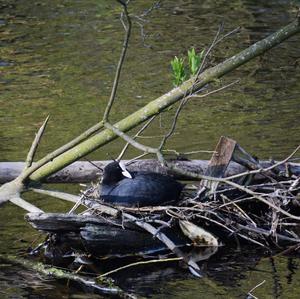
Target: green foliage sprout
(194,60)
(178,68)
(178,71)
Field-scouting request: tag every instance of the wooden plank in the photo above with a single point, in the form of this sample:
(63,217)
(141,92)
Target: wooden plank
(218,163)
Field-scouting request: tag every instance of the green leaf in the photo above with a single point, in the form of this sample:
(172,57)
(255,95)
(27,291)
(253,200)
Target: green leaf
(178,71)
(194,60)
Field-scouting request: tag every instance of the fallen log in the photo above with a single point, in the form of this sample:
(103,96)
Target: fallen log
(84,171)
(106,287)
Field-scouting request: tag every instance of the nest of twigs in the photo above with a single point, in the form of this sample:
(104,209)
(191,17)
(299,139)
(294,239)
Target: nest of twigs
(267,217)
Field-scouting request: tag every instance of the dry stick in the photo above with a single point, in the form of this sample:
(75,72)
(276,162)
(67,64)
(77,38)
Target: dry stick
(257,171)
(35,144)
(61,150)
(141,21)
(240,209)
(267,233)
(195,95)
(294,184)
(136,158)
(57,194)
(121,61)
(130,140)
(220,28)
(215,41)
(193,267)
(140,263)
(249,293)
(254,194)
(187,153)
(25,205)
(231,230)
(144,127)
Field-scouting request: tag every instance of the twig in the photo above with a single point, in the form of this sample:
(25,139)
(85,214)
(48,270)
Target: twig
(130,140)
(258,285)
(260,170)
(195,95)
(57,194)
(35,144)
(83,136)
(25,205)
(136,158)
(140,263)
(278,209)
(121,60)
(239,209)
(144,127)
(267,233)
(220,28)
(193,267)
(215,41)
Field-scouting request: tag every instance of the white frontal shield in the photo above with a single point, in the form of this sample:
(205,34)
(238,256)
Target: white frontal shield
(124,170)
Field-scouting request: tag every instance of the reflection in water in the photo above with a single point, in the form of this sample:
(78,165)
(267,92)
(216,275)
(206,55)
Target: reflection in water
(59,57)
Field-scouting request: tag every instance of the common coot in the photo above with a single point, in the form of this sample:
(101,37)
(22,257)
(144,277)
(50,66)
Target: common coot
(125,188)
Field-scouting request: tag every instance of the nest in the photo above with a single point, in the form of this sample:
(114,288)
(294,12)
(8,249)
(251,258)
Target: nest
(259,207)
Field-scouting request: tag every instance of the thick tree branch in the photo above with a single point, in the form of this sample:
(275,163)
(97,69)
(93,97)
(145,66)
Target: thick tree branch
(166,100)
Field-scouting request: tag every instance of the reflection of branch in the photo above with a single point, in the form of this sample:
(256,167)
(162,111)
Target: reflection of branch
(140,20)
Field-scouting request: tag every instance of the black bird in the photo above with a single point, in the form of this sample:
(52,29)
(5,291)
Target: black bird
(121,187)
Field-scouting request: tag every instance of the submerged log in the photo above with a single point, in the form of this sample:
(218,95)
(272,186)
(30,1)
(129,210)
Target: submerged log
(102,236)
(84,172)
(105,287)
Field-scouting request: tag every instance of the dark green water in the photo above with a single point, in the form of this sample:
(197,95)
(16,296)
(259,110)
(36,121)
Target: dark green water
(58,58)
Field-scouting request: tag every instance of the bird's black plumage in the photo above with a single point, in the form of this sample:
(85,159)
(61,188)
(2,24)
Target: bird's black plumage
(143,189)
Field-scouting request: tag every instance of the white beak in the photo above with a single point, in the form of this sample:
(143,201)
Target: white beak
(124,170)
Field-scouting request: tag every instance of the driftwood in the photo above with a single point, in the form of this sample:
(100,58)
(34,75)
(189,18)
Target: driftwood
(84,171)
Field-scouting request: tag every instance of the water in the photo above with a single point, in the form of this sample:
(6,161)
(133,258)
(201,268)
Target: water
(58,58)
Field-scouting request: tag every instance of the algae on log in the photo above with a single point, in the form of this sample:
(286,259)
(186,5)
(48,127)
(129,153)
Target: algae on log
(161,103)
